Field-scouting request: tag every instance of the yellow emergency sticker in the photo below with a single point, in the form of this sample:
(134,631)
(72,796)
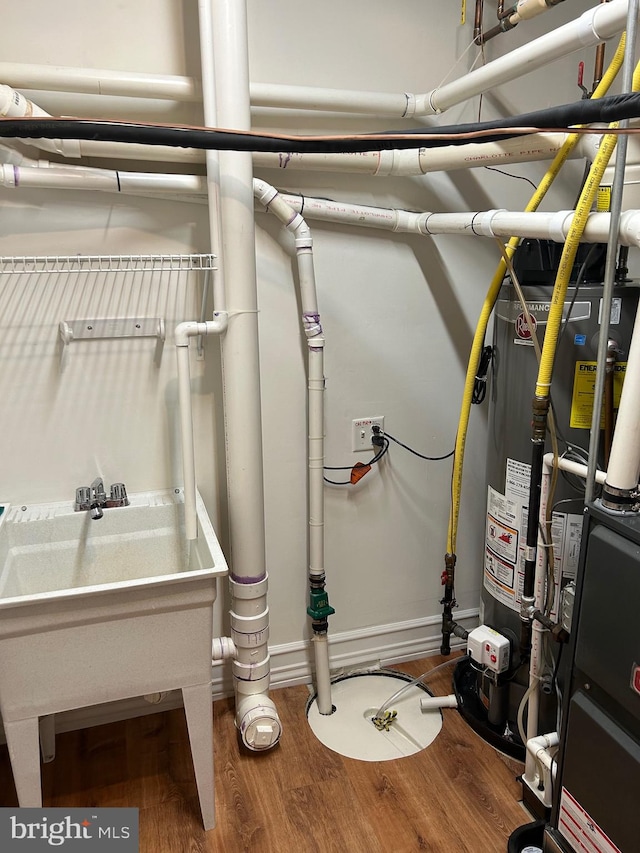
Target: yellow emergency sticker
(584,381)
(463,13)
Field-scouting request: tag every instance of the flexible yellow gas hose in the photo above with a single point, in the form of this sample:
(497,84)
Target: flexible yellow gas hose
(576,230)
(490,299)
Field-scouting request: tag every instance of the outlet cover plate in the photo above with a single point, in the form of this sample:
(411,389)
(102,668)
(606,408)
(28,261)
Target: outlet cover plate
(362,432)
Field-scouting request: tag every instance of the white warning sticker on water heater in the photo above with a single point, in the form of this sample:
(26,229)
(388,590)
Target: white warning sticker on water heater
(506,537)
(580,830)
(503,546)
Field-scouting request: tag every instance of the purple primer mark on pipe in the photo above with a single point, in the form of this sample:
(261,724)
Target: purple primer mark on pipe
(16,176)
(248,580)
(284,160)
(312,325)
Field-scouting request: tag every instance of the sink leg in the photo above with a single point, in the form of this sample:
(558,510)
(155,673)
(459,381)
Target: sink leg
(198,709)
(48,737)
(24,751)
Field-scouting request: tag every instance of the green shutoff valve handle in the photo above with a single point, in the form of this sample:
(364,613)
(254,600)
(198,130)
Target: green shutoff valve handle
(319,607)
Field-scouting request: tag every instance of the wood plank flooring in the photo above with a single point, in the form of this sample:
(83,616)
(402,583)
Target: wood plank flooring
(457,796)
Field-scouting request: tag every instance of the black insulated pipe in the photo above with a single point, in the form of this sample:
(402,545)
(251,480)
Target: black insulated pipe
(605,110)
(538,434)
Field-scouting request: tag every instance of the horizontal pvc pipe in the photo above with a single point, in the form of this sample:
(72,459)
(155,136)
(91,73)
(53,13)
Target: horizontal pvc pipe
(497,223)
(531,148)
(421,161)
(432,702)
(44,176)
(96,81)
(592,27)
(572,467)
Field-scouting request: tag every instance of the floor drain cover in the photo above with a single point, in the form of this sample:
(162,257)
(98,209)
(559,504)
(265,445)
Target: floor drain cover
(349,730)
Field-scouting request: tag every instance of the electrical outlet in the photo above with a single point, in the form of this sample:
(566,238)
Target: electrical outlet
(362,432)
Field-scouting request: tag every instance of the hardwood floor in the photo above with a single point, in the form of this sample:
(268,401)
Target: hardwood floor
(457,796)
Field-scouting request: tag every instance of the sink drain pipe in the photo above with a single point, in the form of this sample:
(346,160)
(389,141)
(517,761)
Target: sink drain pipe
(319,609)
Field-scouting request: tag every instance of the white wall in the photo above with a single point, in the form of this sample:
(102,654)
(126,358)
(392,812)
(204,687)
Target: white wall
(398,312)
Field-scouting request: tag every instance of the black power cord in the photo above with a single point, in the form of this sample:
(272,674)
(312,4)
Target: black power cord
(480,383)
(376,429)
(360,468)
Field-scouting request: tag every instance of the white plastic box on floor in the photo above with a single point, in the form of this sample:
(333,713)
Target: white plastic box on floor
(94,611)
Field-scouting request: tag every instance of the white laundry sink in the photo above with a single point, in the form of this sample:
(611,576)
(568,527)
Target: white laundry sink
(96,610)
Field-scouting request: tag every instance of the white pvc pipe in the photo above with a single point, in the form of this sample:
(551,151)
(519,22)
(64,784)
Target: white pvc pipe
(96,81)
(320,644)
(45,176)
(496,223)
(488,223)
(431,702)
(572,467)
(256,716)
(624,458)
(539,746)
(593,26)
(183,332)
(212,158)
(539,752)
(294,222)
(536,659)
(421,161)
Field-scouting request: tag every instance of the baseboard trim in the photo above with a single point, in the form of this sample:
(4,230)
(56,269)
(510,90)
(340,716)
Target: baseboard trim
(292,663)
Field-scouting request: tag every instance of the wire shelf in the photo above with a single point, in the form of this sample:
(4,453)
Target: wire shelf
(34,264)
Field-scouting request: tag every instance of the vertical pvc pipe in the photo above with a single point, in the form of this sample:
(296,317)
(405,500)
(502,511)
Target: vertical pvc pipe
(610,266)
(624,461)
(240,355)
(212,158)
(295,223)
(188,455)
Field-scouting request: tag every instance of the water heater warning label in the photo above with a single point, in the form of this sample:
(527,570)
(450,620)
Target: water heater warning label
(503,549)
(584,381)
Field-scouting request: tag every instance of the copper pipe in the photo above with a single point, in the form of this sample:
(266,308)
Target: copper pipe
(477,23)
(503,27)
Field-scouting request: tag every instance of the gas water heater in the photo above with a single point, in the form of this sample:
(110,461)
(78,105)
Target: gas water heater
(491,683)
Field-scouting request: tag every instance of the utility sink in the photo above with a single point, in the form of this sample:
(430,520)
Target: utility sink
(97,610)
(50,552)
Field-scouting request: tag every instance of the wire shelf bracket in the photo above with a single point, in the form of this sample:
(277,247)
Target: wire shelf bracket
(119,327)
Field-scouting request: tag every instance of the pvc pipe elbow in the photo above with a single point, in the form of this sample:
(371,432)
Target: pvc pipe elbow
(527,9)
(222,648)
(190,328)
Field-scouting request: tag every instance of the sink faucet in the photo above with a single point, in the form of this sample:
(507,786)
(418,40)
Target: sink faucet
(94,499)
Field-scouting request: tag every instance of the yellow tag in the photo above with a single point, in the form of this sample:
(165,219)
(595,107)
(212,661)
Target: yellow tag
(463,13)
(583,392)
(603,200)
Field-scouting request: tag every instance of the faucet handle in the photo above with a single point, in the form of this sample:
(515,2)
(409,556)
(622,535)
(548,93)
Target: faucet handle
(97,489)
(119,495)
(83,498)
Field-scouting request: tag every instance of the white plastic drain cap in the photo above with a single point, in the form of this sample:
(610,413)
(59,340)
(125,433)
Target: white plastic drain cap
(349,730)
